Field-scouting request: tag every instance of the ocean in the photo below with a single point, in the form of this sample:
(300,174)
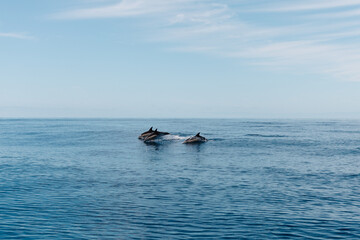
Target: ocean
(253,179)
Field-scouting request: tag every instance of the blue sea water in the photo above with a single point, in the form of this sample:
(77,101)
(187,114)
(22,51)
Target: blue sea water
(253,179)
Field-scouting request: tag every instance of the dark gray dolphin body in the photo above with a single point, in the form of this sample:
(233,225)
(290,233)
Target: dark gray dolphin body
(145,134)
(154,135)
(195,139)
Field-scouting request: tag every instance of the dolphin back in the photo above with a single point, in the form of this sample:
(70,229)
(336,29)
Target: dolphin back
(195,139)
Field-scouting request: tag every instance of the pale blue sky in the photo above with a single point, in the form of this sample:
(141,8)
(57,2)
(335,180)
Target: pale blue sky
(180,58)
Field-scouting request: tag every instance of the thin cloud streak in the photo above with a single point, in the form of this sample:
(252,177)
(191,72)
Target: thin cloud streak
(125,8)
(16,35)
(342,14)
(311,5)
(209,27)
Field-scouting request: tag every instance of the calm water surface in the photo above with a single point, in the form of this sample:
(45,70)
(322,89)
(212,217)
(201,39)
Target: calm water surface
(254,179)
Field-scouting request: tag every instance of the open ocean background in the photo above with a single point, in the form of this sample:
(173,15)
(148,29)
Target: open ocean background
(254,179)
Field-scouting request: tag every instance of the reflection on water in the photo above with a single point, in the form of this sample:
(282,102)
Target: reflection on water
(153,145)
(196,147)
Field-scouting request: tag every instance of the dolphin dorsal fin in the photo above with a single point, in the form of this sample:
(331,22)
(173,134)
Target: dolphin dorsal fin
(150,129)
(198,135)
(156,130)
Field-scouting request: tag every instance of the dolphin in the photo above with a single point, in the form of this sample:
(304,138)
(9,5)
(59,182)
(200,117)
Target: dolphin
(195,139)
(148,132)
(154,135)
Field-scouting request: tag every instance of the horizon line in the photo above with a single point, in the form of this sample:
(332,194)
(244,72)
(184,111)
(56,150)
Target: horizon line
(179,118)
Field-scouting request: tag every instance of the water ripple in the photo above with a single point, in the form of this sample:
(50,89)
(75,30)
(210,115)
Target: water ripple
(93,179)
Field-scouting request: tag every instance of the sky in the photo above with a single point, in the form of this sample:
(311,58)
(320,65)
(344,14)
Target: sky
(180,59)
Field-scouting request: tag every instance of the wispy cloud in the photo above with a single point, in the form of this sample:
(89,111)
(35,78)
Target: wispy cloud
(341,14)
(309,5)
(125,8)
(16,35)
(242,30)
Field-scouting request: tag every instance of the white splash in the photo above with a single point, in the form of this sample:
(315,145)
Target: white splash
(174,137)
